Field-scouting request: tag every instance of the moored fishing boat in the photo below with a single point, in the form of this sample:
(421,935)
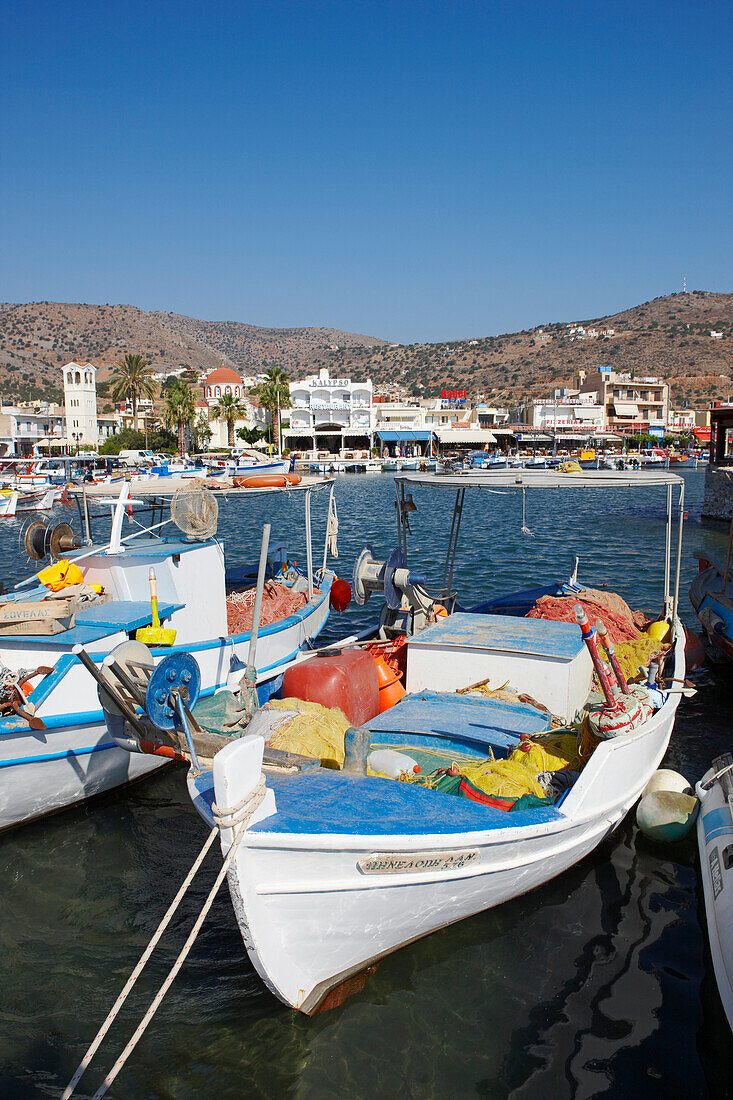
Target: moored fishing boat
(330,870)
(711,595)
(54,747)
(715,842)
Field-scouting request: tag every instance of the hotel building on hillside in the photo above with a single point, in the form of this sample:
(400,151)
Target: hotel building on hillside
(329,414)
(632,404)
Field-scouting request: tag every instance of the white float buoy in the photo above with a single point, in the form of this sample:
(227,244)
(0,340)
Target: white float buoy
(666,815)
(667,780)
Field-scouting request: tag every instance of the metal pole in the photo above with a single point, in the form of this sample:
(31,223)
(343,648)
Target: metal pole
(668,550)
(308,542)
(679,552)
(257,612)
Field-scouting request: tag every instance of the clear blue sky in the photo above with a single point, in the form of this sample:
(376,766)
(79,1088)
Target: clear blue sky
(418,171)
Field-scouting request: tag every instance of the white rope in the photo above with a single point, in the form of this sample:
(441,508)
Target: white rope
(226,818)
(138,969)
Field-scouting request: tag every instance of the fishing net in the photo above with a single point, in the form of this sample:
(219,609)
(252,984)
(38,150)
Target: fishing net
(278,601)
(315,731)
(195,513)
(623,624)
(516,776)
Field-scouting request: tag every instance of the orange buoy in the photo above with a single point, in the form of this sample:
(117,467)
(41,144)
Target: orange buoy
(440,611)
(262,481)
(390,688)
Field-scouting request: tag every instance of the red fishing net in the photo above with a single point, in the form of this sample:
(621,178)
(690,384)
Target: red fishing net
(278,602)
(623,624)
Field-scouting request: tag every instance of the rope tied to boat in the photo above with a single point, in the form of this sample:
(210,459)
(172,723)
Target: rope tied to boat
(227,818)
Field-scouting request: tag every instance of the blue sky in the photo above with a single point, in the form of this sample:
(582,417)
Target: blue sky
(418,171)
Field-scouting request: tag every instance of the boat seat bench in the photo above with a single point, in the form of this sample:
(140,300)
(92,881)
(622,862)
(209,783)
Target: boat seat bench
(478,723)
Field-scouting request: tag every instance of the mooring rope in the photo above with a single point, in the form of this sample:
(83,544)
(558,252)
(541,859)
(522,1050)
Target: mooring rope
(227,818)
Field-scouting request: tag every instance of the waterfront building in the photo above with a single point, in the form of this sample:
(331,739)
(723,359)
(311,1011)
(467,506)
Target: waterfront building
(329,414)
(632,404)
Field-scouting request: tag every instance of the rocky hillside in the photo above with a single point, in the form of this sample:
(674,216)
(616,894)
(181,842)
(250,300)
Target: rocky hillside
(668,336)
(37,338)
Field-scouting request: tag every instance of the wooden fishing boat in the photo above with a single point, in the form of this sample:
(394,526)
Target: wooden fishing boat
(329,871)
(54,745)
(715,841)
(711,595)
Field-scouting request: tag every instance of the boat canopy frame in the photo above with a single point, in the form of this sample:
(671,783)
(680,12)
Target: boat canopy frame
(521,480)
(154,504)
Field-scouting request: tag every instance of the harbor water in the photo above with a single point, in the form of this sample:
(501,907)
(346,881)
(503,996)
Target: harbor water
(596,984)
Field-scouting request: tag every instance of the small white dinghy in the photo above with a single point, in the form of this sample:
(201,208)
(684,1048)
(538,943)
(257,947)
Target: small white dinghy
(715,841)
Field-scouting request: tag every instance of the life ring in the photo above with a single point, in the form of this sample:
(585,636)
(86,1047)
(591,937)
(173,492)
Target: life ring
(266,481)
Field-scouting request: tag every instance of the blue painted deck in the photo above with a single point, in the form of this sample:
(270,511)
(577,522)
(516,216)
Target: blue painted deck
(505,633)
(330,802)
(124,614)
(95,623)
(459,718)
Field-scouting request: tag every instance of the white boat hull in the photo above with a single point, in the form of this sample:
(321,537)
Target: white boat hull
(715,841)
(312,916)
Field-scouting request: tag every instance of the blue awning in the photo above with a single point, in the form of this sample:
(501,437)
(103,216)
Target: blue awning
(405,435)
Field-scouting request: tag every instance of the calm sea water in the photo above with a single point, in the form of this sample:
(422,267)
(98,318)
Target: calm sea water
(598,983)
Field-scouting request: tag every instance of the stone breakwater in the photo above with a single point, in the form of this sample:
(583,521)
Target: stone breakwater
(718,500)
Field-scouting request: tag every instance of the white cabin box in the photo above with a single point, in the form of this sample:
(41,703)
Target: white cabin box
(547,660)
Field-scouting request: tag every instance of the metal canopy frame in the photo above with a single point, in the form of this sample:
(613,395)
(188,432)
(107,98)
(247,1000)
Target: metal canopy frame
(520,480)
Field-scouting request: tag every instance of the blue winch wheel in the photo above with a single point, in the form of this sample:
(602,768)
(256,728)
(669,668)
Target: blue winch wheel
(393,596)
(177,672)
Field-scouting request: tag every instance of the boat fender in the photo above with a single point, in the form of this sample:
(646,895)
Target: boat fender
(658,631)
(340,594)
(666,816)
(664,779)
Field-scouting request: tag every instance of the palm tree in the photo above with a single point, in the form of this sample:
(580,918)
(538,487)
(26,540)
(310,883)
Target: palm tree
(231,409)
(180,410)
(133,378)
(274,395)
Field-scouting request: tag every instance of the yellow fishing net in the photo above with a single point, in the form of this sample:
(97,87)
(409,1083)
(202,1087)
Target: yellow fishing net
(571,467)
(632,655)
(515,776)
(315,731)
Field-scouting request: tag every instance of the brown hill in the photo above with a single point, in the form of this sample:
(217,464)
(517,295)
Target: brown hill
(668,336)
(37,338)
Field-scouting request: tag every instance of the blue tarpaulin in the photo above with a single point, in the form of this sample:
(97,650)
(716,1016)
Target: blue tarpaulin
(405,436)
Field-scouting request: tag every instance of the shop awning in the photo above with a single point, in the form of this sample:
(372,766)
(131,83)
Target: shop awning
(404,435)
(588,412)
(626,408)
(465,435)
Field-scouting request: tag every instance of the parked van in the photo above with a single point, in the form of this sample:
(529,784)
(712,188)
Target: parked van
(137,458)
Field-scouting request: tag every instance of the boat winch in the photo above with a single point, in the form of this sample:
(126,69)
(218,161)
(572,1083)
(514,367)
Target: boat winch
(408,606)
(40,540)
(128,680)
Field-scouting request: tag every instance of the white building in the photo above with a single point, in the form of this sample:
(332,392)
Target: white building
(80,403)
(565,414)
(329,414)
